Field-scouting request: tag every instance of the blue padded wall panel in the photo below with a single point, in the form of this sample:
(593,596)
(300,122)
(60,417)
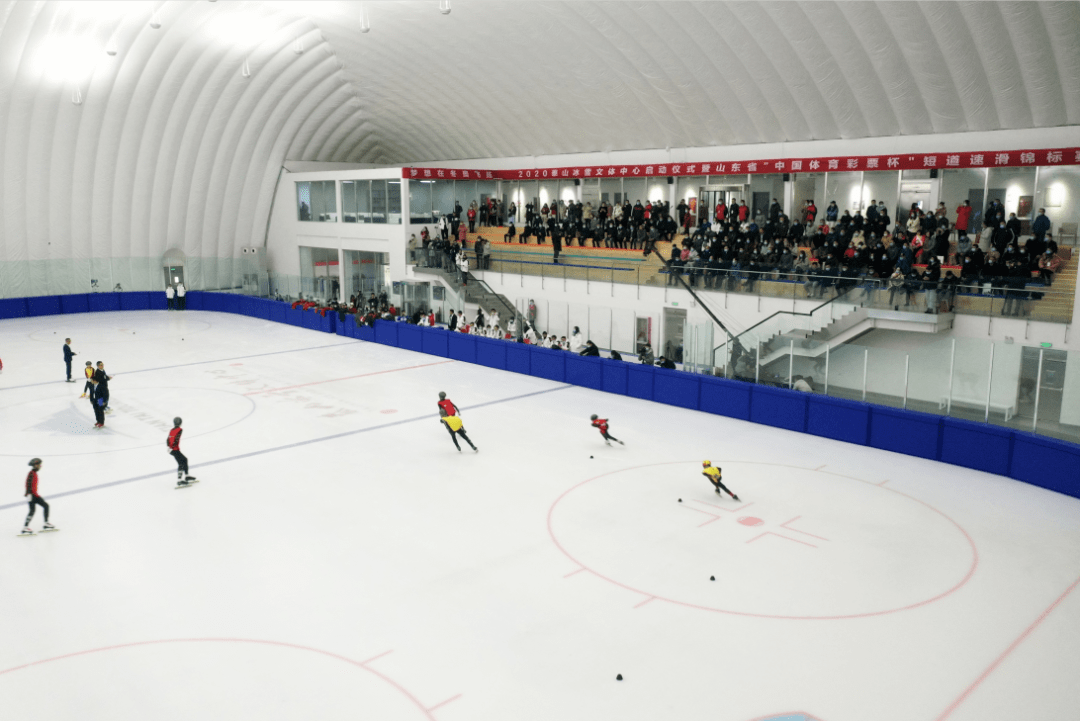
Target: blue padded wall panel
(386,332)
(976,445)
(518,358)
(158,301)
(462,347)
(365,332)
(77,303)
(436,342)
(908,432)
(1047,463)
(278,312)
(547,363)
(13,308)
(342,325)
(676,388)
(491,353)
(585,371)
(134,301)
(294,316)
(311,320)
(615,376)
(100,302)
(43,305)
(328,322)
(724,397)
(779,407)
(194,299)
(410,337)
(211,301)
(639,381)
(838,419)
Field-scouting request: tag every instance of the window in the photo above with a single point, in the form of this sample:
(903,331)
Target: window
(316,200)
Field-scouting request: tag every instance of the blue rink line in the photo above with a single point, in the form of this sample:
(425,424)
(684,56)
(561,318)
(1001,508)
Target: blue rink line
(188,365)
(298,444)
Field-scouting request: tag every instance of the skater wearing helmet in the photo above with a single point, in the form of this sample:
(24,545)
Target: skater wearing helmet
(446,406)
(713,474)
(456,428)
(602,424)
(183,480)
(35,499)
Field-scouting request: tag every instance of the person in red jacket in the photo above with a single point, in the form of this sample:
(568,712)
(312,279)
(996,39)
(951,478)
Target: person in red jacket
(35,499)
(602,424)
(963,216)
(446,406)
(173,442)
(721,212)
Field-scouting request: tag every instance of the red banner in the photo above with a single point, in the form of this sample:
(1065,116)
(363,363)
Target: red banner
(901,161)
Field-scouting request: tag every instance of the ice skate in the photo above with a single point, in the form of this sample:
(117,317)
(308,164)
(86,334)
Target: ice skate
(621,443)
(26,531)
(185,483)
(48,527)
(475,449)
(190,479)
(734,497)
(99,425)
(607,443)
(719,493)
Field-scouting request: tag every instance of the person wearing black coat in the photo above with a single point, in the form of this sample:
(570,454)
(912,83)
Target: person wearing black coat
(590,349)
(931,276)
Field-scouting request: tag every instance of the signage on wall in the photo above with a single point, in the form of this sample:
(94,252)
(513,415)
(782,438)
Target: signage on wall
(853,163)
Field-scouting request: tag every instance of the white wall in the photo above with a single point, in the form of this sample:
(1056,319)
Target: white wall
(287,233)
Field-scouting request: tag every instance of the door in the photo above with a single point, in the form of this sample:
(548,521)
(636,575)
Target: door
(672,347)
(912,192)
(975,197)
(173,274)
(760,207)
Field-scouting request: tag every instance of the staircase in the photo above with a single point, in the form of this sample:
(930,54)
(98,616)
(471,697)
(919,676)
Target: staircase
(475,291)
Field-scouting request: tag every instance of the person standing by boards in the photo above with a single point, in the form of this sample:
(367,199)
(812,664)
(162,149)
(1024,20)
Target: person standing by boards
(68,355)
(183,479)
(35,500)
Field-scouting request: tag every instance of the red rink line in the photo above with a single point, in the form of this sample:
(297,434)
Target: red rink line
(346,378)
(405,692)
(1005,654)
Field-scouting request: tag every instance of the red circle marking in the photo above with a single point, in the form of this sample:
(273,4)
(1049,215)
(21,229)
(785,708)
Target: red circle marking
(651,595)
(750,521)
(358,664)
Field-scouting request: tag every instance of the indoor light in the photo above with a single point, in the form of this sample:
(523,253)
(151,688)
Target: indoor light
(245,69)
(444,7)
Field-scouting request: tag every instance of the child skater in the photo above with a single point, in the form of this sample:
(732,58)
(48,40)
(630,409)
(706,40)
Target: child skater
(35,500)
(713,474)
(602,424)
(89,372)
(446,406)
(173,442)
(456,428)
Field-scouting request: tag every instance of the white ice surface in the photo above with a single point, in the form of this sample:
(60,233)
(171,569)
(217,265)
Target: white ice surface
(340,560)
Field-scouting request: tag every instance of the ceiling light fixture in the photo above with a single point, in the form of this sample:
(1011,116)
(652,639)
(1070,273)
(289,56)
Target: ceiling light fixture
(155,23)
(444,7)
(365,21)
(111,48)
(245,70)
(76,96)
(298,47)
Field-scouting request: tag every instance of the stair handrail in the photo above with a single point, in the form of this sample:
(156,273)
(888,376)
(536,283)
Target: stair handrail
(667,263)
(808,314)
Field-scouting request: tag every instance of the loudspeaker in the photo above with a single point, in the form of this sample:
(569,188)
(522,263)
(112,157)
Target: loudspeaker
(933,172)
(787,177)
(670,180)
(577,181)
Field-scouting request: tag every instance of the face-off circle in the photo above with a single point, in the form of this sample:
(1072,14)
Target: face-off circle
(801,544)
(207,678)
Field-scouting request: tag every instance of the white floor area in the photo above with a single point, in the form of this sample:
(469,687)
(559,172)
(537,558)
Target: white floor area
(341,560)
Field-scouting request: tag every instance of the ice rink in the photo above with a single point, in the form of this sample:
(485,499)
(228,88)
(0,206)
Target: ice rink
(341,560)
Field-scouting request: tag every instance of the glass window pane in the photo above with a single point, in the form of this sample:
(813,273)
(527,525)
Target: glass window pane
(763,190)
(420,201)
(843,188)
(549,192)
(880,188)
(303,200)
(378,201)
(611,190)
(363,200)
(348,201)
(442,197)
(393,201)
